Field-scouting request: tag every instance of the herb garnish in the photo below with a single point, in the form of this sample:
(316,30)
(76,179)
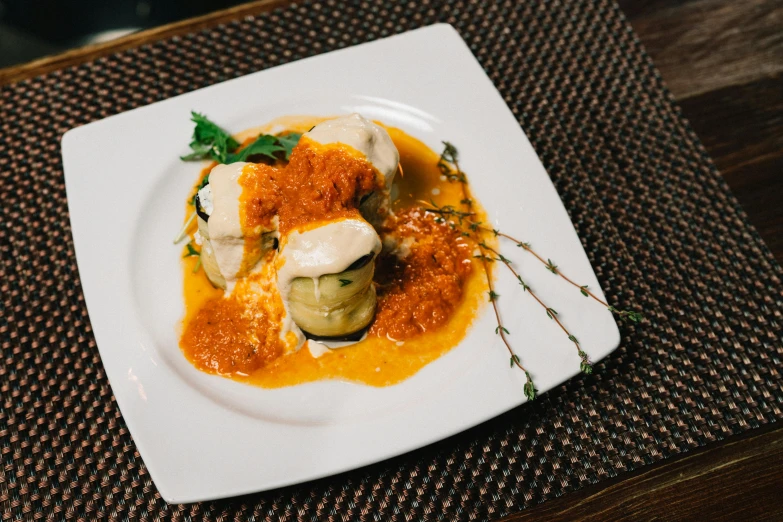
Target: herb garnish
(210,141)
(191,251)
(449,167)
(265,145)
(288,142)
(345,282)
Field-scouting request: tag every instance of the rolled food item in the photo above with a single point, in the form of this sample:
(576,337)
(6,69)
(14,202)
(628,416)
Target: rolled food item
(223,253)
(375,144)
(326,278)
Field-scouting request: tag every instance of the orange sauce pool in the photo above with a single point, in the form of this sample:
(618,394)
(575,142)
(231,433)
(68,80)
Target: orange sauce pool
(424,307)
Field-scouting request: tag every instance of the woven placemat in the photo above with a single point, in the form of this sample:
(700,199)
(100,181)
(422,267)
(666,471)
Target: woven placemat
(658,223)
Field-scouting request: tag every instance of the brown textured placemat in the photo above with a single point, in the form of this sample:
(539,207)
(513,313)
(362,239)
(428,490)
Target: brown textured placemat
(658,223)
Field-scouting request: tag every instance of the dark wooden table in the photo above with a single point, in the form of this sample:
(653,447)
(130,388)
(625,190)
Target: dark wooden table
(723,62)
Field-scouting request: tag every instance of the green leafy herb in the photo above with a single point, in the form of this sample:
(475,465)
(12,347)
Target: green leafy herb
(212,142)
(585,366)
(529,389)
(499,328)
(265,145)
(345,282)
(448,158)
(449,152)
(191,251)
(492,295)
(551,313)
(551,266)
(634,317)
(209,141)
(514,359)
(583,289)
(288,142)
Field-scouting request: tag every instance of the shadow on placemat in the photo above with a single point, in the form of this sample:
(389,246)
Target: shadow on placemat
(661,228)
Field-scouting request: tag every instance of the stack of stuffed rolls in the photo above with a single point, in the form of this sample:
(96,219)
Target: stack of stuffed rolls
(324,270)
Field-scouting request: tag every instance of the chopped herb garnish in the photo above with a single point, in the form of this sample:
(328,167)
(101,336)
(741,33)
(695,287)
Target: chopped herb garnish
(191,251)
(345,282)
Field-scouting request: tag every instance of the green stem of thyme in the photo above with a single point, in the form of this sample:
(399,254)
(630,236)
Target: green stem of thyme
(622,314)
(586,366)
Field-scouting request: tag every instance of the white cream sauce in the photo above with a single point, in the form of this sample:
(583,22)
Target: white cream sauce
(363,135)
(328,249)
(205,199)
(319,348)
(225,228)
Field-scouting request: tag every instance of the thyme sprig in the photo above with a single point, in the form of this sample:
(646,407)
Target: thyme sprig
(586,366)
(464,218)
(528,388)
(448,158)
(446,211)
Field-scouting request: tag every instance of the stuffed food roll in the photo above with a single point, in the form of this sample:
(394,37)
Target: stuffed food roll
(226,255)
(375,144)
(326,278)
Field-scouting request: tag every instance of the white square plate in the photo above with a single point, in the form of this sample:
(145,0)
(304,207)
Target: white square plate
(204,437)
